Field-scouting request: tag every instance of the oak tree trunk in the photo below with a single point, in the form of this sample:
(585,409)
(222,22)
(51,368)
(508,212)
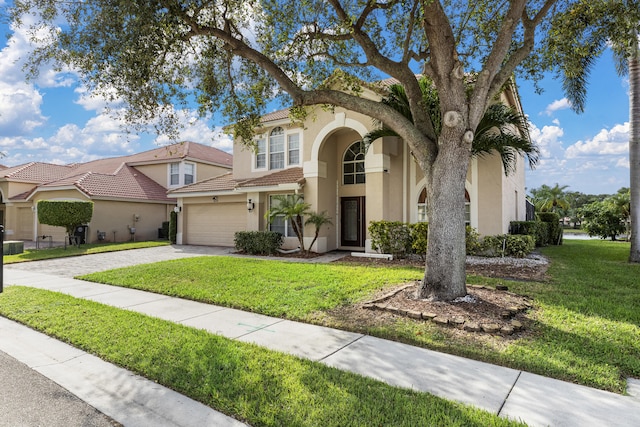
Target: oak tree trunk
(445,274)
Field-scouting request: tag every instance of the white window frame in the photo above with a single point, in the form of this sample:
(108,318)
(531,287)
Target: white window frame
(180,170)
(288,229)
(265,158)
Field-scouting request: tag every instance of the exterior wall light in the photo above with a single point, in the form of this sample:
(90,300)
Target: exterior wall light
(250,205)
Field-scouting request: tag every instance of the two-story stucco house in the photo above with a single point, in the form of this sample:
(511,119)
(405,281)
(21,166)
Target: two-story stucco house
(324,160)
(129,193)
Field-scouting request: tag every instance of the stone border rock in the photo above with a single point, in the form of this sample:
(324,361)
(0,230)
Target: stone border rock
(490,328)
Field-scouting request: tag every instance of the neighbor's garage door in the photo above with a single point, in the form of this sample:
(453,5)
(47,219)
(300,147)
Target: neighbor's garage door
(214,224)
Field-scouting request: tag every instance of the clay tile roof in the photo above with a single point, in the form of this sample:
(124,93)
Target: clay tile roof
(183,150)
(127,182)
(36,172)
(276,115)
(23,196)
(219,183)
(286,176)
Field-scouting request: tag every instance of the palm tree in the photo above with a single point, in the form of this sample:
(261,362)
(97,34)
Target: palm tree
(577,37)
(318,220)
(291,208)
(550,199)
(502,129)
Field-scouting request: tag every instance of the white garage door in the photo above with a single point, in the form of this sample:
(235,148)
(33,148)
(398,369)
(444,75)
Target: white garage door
(214,224)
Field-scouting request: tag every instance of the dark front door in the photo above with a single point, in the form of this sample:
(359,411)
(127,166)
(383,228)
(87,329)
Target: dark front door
(352,223)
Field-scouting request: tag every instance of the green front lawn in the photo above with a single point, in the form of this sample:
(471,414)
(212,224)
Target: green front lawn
(41,254)
(275,288)
(259,386)
(586,329)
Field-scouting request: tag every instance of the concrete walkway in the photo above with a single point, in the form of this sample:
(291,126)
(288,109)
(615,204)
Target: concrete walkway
(134,401)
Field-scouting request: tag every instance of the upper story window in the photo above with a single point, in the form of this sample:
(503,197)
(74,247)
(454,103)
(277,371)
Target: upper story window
(174,174)
(277,150)
(189,172)
(181,173)
(353,164)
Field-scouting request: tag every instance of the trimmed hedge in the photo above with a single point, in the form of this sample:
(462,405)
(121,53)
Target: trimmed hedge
(545,231)
(418,233)
(391,237)
(554,233)
(518,246)
(258,242)
(173,227)
(67,214)
(401,239)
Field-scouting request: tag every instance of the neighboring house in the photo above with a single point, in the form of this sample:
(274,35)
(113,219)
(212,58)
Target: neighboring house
(129,193)
(324,160)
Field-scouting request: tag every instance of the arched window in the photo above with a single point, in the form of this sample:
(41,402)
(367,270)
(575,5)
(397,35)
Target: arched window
(422,206)
(467,208)
(353,164)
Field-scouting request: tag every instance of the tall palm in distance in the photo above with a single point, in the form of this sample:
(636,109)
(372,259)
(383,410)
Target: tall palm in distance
(577,37)
(502,129)
(550,199)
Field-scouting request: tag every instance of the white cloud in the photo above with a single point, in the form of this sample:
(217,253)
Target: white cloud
(547,139)
(623,162)
(199,130)
(606,142)
(19,108)
(558,104)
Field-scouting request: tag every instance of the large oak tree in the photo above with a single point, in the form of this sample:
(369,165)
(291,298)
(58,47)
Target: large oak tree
(238,54)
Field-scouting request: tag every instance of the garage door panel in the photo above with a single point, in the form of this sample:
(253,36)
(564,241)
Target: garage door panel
(214,224)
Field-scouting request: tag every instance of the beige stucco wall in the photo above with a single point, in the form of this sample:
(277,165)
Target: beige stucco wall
(393,180)
(108,216)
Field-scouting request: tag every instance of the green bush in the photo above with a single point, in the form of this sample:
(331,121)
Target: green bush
(390,237)
(258,242)
(164,230)
(554,233)
(173,227)
(472,239)
(518,246)
(65,214)
(542,234)
(523,227)
(418,232)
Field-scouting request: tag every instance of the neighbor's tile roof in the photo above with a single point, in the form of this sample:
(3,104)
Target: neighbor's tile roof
(36,172)
(126,183)
(286,176)
(183,150)
(113,177)
(219,183)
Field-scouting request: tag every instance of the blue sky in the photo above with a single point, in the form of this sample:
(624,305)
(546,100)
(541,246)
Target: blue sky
(53,120)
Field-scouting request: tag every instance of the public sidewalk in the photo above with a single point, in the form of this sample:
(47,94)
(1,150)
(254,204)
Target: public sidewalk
(134,401)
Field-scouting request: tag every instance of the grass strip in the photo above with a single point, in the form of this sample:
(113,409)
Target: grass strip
(259,386)
(96,248)
(586,327)
(275,288)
